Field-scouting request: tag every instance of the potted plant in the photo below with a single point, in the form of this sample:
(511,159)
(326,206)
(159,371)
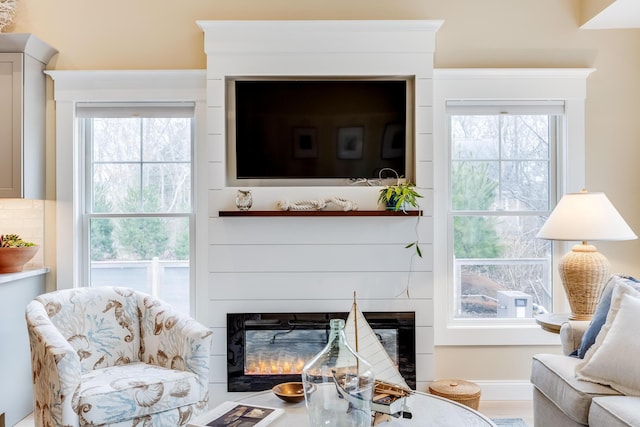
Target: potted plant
(15,253)
(397,197)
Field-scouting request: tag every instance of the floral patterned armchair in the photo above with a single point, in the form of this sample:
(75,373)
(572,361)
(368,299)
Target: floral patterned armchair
(114,356)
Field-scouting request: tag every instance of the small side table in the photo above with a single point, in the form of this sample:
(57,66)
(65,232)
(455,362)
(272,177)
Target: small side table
(551,322)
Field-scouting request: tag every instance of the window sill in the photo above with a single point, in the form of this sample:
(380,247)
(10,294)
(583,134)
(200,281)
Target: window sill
(488,335)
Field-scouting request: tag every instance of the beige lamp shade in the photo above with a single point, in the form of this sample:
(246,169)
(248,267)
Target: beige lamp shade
(584,216)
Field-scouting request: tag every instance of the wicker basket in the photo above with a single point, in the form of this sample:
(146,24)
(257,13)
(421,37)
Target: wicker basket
(461,391)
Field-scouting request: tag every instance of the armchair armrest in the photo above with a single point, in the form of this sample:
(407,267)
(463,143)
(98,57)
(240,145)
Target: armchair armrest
(571,333)
(174,340)
(56,370)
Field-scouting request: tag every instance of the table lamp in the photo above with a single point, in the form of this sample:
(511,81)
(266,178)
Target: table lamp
(584,271)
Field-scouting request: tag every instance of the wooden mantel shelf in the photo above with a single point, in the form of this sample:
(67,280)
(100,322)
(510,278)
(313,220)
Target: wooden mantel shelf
(319,213)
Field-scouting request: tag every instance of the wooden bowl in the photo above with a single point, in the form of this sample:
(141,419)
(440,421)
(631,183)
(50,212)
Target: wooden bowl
(292,392)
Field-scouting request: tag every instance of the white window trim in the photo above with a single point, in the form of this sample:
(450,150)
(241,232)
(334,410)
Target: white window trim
(71,87)
(568,85)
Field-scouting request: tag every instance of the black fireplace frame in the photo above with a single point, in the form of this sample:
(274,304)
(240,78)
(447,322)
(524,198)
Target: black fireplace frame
(237,381)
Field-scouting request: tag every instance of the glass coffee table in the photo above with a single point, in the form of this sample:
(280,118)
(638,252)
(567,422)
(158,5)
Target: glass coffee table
(426,410)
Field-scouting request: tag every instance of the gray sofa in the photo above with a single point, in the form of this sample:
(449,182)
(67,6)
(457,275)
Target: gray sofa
(560,399)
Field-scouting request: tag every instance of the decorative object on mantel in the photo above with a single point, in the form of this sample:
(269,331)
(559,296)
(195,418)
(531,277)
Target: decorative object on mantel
(395,197)
(304,205)
(315,213)
(584,271)
(244,200)
(7,13)
(15,253)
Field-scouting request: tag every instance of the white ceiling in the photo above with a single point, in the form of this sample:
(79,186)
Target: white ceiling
(620,14)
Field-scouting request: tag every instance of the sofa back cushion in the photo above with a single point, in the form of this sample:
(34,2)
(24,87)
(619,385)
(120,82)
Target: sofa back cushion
(613,359)
(101,324)
(600,315)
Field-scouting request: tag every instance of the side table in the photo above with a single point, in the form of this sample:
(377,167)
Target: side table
(551,322)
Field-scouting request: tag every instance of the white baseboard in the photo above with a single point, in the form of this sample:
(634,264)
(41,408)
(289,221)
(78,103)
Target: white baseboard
(505,390)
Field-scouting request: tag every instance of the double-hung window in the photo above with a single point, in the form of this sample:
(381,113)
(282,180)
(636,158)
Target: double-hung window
(138,201)
(507,144)
(502,183)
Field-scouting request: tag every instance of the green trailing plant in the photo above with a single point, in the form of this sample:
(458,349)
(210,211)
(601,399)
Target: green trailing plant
(396,197)
(13,241)
(417,246)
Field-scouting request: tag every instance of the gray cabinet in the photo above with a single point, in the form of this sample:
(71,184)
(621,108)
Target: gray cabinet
(23,58)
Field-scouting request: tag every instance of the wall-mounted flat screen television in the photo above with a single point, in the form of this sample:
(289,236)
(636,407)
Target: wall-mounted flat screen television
(317,131)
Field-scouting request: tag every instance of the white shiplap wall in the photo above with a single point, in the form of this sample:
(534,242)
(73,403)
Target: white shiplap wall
(288,264)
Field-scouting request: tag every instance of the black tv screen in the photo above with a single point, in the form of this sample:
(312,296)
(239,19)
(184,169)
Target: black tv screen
(300,129)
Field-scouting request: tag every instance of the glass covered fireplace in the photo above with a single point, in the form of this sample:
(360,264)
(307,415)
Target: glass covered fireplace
(265,349)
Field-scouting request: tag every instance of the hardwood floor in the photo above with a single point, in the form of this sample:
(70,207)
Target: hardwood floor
(26,422)
(490,408)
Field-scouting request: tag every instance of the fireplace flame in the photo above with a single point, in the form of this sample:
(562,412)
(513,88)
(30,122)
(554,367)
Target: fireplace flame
(269,365)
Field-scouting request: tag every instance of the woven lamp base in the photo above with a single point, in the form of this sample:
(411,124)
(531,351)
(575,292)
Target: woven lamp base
(584,272)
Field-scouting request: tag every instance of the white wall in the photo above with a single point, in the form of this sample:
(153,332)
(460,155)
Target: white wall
(298,264)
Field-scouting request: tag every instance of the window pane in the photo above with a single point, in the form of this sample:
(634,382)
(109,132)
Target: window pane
(501,288)
(525,137)
(116,188)
(496,254)
(167,140)
(525,186)
(507,236)
(115,140)
(474,185)
(147,254)
(167,187)
(517,180)
(475,137)
(139,238)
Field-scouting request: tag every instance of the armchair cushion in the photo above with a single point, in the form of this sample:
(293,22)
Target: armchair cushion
(109,395)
